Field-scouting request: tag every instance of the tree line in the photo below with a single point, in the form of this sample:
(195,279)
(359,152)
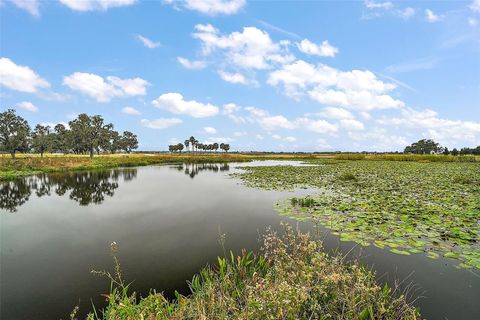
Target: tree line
(428,146)
(83,135)
(193,145)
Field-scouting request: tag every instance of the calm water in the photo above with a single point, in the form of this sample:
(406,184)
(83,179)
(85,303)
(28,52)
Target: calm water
(166,221)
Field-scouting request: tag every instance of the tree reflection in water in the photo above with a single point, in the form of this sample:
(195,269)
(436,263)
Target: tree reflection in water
(192,169)
(83,187)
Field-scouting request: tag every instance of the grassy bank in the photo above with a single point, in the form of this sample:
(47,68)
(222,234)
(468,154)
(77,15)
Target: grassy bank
(292,278)
(25,165)
(28,164)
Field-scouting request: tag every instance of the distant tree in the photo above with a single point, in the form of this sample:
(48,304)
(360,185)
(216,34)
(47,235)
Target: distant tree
(115,143)
(186,143)
(424,146)
(89,133)
(215,146)
(129,142)
(226,147)
(14,132)
(446,151)
(455,152)
(62,140)
(180,147)
(41,139)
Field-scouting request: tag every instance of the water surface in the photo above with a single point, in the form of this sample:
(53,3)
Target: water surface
(167,222)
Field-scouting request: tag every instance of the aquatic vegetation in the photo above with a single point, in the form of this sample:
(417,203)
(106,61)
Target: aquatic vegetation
(407,207)
(292,278)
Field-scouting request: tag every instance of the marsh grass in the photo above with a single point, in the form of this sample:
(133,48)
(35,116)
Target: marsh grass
(407,157)
(291,278)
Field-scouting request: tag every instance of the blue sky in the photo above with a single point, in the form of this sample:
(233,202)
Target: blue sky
(260,75)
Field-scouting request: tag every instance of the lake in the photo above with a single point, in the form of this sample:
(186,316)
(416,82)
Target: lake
(167,222)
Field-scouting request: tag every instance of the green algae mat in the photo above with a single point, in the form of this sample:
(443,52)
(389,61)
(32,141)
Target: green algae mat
(406,207)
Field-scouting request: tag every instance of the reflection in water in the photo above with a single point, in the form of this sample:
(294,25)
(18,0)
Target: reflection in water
(192,169)
(84,187)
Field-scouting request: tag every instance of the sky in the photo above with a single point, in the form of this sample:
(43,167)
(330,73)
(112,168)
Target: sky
(259,75)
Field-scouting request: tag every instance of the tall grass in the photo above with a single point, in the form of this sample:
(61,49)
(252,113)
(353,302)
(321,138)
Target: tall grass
(407,157)
(292,278)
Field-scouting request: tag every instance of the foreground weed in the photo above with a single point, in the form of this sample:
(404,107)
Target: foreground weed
(291,278)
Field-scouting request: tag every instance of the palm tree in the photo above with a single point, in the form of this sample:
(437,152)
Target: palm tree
(186,143)
(222,146)
(215,146)
(192,142)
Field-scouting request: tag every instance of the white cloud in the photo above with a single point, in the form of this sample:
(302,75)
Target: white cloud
(91,5)
(406,13)
(432,17)
(318,126)
(175,103)
(259,137)
(268,122)
(103,90)
(251,49)
(351,124)
(357,89)
(472,22)
(325,49)
(131,111)
(290,139)
(232,77)
(210,7)
(378,5)
(28,106)
(210,130)
(189,64)
(161,123)
(231,110)
(147,42)
(444,130)
(475,6)
(31,6)
(20,78)
(336,113)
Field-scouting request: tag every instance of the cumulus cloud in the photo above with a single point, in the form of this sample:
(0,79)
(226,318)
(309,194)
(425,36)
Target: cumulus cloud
(351,124)
(161,123)
(378,5)
(210,130)
(28,106)
(475,6)
(20,78)
(210,7)
(336,113)
(432,17)
(269,122)
(31,6)
(444,130)
(357,89)
(236,78)
(191,64)
(251,49)
(103,90)
(147,42)
(325,49)
(130,111)
(92,5)
(231,110)
(175,103)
